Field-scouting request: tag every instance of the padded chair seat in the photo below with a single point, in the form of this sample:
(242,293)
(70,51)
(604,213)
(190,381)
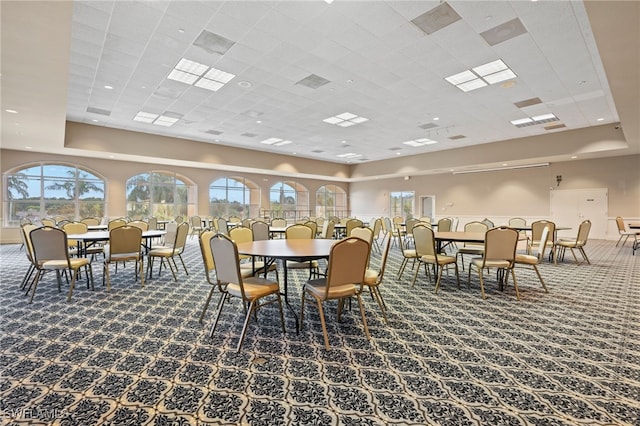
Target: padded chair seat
(318,287)
(254,288)
(371,276)
(527,259)
(491,263)
(410,253)
(161,251)
(302,265)
(61,263)
(442,260)
(471,250)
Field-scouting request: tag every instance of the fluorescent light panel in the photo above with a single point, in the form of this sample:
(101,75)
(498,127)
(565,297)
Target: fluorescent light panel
(200,75)
(159,120)
(482,75)
(420,142)
(276,142)
(531,121)
(346,119)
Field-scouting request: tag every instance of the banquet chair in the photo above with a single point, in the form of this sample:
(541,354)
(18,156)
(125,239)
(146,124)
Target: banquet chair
(519,222)
(427,254)
(140,224)
(320,221)
(234,219)
(373,278)
(345,277)
(377,228)
(91,221)
(47,221)
(152,222)
(26,242)
(170,253)
(351,225)
(488,222)
(299,231)
(169,237)
(445,224)
(499,252)
(408,229)
(125,243)
(578,243)
(475,249)
(210,267)
(74,228)
(622,230)
(536,258)
(242,234)
(260,230)
(231,283)
(50,253)
(278,222)
(407,254)
(196,225)
(314,226)
(222,226)
(387,226)
(536,232)
(114,223)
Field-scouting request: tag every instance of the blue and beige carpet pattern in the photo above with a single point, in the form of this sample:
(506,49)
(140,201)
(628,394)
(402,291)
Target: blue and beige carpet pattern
(139,356)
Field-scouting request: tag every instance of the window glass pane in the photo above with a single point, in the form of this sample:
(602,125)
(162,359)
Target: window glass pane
(159,194)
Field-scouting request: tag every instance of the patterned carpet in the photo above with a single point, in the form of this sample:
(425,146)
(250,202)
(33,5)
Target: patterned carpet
(139,356)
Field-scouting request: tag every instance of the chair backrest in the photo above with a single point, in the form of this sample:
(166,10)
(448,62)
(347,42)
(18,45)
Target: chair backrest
(260,230)
(425,219)
(410,223)
(444,224)
(517,221)
(171,229)
(423,223)
(500,244)
(74,228)
(241,234)
(196,222)
(538,226)
(397,222)
(25,230)
(181,237)
(47,221)
(352,224)
(475,226)
(222,226)
(115,223)
(622,228)
(320,222)
(540,248)
(124,240)
(386,224)
(424,240)
(153,222)
(278,222)
(207,256)
(583,232)
(179,219)
(314,226)
(142,225)
(234,219)
(347,262)
(488,222)
(377,227)
(48,243)
(225,256)
(91,221)
(328,228)
(385,256)
(298,232)
(366,234)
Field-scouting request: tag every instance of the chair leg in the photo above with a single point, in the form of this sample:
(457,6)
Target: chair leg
(252,309)
(584,254)
(74,276)
(183,265)
(515,282)
(323,323)
(281,312)
(141,271)
(215,321)
(378,297)
(364,318)
(301,310)
(206,303)
(540,278)
(34,284)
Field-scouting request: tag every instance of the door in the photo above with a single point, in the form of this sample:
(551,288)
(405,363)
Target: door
(427,206)
(569,207)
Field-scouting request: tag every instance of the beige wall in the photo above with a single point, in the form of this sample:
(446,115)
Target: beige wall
(116,174)
(500,194)
(508,193)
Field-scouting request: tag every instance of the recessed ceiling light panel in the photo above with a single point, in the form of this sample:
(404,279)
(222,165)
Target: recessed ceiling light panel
(346,119)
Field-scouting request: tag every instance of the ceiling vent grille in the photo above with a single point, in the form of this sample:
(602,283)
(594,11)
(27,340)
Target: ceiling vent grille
(98,111)
(504,32)
(555,126)
(213,43)
(213,132)
(436,19)
(428,126)
(313,81)
(456,137)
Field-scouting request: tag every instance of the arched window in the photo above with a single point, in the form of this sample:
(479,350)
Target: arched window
(164,195)
(50,190)
(234,196)
(331,200)
(289,200)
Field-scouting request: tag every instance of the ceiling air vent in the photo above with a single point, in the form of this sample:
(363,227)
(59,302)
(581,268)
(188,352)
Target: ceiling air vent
(213,43)
(436,19)
(428,126)
(456,137)
(213,132)
(98,111)
(504,32)
(555,126)
(249,135)
(313,81)
(528,102)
